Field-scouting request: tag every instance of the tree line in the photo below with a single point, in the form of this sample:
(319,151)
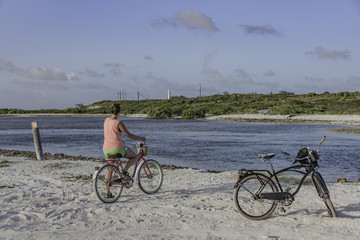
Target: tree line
(282,103)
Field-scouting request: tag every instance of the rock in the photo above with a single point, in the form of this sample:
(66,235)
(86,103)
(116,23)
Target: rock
(342,180)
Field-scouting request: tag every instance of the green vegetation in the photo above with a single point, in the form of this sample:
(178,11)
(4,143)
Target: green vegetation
(283,103)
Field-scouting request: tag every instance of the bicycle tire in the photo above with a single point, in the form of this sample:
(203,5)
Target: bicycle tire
(246,196)
(114,184)
(150,176)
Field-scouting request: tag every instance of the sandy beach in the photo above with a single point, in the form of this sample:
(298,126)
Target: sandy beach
(54,199)
(350,120)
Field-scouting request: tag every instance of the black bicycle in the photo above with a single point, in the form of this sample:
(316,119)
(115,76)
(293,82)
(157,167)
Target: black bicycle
(256,195)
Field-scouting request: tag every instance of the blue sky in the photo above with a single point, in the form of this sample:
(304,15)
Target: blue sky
(59,53)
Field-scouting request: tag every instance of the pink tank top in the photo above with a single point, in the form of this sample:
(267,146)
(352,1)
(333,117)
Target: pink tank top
(112,134)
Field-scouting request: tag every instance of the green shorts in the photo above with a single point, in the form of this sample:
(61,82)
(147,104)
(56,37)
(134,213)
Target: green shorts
(121,151)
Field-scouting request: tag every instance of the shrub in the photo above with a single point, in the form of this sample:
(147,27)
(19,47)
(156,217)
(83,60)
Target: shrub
(161,112)
(191,113)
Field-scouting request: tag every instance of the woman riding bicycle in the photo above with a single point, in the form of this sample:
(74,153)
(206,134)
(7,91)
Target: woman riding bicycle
(113,128)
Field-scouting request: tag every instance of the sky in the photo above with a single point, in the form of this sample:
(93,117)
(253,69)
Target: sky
(60,53)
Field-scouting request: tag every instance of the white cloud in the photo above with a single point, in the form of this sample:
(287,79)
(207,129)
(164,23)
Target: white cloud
(239,80)
(6,65)
(44,73)
(191,19)
(92,74)
(323,53)
(37,73)
(239,76)
(196,20)
(43,77)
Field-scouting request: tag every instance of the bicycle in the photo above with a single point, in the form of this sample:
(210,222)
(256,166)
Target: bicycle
(109,180)
(256,195)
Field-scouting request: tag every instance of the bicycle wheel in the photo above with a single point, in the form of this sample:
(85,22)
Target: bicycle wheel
(246,197)
(107,184)
(150,176)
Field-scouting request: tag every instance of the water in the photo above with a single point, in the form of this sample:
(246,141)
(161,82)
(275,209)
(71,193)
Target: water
(211,145)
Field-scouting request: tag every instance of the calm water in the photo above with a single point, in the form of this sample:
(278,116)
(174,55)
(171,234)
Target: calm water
(211,145)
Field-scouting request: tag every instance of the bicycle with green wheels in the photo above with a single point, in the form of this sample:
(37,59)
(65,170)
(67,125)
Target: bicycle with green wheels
(258,192)
(109,180)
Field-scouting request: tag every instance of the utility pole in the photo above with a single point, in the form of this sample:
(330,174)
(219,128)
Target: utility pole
(200,89)
(121,96)
(169,94)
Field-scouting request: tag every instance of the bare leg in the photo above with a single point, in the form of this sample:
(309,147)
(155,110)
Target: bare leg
(107,181)
(131,155)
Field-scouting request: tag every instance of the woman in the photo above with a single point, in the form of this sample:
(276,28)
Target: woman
(113,128)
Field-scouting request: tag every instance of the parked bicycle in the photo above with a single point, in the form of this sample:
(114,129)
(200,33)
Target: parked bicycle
(258,192)
(109,180)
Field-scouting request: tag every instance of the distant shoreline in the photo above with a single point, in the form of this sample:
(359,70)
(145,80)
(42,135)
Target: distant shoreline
(349,120)
(333,119)
(352,122)
(69,115)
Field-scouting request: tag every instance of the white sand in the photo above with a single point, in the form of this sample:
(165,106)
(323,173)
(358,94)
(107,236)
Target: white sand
(353,120)
(44,200)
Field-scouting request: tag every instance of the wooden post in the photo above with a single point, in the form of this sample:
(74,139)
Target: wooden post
(37,142)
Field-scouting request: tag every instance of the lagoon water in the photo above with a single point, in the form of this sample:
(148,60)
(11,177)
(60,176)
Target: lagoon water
(210,145)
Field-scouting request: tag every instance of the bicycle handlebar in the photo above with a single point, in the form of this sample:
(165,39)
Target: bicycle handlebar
(321,142)
(299,159)
(296,159)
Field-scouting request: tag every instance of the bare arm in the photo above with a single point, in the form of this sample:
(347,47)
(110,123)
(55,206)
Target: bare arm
(124,130)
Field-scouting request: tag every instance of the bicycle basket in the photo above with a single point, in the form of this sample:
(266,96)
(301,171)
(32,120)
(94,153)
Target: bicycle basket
(308,157)
(142,148)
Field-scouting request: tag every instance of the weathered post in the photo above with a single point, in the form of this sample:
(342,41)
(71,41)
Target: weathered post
(37,141)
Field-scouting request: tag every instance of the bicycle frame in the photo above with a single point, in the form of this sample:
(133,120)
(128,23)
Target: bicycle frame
(118,165)
(282,195)
(291,169)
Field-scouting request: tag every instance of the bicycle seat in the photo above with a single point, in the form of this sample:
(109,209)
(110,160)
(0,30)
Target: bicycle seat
(115,156)
(266,156)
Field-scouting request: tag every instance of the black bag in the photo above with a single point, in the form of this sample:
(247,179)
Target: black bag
(307,157)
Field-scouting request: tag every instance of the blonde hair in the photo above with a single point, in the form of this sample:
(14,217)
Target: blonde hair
(115,108)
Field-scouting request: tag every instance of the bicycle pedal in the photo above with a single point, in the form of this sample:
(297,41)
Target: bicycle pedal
(282,210)
(128,184)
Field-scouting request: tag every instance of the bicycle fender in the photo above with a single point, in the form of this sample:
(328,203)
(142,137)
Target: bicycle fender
(245,174)
(320,185)
(95,174)
(241,174)
(97,171)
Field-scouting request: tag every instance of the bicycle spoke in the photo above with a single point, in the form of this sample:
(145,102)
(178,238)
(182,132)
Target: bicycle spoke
(248,203)
(107,184)
(150,176)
